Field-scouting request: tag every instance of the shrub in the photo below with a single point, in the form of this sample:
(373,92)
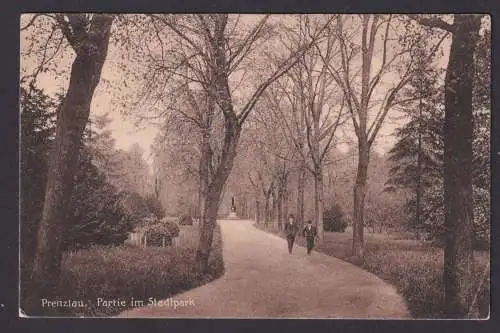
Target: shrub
(154,206)
(161,231)
(127,272)
(135,206)
(185,220)
(481,211)
(334,220)
(96,215)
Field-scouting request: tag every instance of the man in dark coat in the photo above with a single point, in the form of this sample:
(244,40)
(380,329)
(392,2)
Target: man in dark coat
(309,233)
(291,230)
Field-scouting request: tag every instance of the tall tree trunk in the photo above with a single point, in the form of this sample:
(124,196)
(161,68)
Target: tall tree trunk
(232,130)
(359,202)
(285,205)
(419,167)
(274,207)
(266,209)
(280,205)
(318,202)
(300,196)
(243,210)
(231,137)
(205,161)
(72,118)
(458,252)
(257,210)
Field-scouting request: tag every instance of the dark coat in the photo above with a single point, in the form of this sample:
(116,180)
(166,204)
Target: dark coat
(291,229)
(310,233)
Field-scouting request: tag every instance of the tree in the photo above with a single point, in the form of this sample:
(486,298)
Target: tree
(89,38)
(458,158)
(178,177)
(417,156)
(319,107)
(360,94)
(423,134)
(216,43)
(263,141)
(37,134)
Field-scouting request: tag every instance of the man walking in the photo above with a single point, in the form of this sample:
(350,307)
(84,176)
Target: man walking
(290,231)
(309,233)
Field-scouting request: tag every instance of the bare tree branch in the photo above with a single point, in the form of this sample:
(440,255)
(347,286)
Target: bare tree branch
(433,22)
(286,65)
(30,23)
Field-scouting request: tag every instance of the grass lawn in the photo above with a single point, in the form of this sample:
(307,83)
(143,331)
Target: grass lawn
(413,267)
(125,272)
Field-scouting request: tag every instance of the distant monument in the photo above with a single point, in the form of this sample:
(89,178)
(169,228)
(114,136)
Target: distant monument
(232,214)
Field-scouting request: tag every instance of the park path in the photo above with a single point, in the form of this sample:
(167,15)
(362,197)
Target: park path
(262,279)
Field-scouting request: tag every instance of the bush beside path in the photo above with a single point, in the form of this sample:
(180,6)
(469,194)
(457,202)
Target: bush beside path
(106,279)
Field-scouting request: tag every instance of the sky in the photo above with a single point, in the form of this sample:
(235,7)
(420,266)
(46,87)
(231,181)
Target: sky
(123,128)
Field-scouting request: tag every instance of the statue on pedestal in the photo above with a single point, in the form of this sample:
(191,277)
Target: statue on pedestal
(232,213)
(233,207)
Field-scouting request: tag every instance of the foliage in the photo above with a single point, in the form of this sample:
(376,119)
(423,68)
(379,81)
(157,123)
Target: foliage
(136,206)
(481,221)
(428,126)
(185,220)
(106,272)
(161,231)
(37,133)
(154,206)
(334,219)
(97,216)
(482,227)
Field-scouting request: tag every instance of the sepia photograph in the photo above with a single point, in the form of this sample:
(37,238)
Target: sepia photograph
(224,165)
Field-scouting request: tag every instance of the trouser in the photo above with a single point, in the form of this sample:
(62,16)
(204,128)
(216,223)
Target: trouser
(310,244)
(290,239)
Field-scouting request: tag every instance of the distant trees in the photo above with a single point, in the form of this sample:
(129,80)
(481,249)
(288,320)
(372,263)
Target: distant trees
(177,179)
(206,50)
(334,219)
(317,109)
(264,141)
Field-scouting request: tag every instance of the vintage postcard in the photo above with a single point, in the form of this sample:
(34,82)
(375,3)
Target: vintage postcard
(255,165)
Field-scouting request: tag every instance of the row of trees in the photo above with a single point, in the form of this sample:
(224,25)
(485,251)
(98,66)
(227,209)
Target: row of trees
(358,70)
(324,70)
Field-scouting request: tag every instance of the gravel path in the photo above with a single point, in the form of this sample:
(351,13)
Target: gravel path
(263,280)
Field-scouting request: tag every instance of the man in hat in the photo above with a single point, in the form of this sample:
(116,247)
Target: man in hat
(291,229)
(310,232)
